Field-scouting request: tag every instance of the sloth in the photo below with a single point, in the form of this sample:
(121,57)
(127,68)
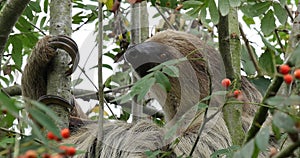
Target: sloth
(200,74)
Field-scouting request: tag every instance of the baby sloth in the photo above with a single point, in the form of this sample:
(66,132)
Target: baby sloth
(199,76)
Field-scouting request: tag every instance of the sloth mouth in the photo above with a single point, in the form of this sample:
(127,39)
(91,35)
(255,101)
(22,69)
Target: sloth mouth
(143,69)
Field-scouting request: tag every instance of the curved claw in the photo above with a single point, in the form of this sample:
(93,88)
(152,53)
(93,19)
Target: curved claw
(53,99)
(70,46)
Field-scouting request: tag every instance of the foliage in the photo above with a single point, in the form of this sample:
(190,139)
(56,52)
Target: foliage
(269,19)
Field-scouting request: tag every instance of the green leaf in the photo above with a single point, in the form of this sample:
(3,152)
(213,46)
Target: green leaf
(224,7)
(294,59)
(109,54)
(153,154)
(267,43)
(280,101)
(268,23)
(171,71)
(7,121)
(283,2)
(23,25)
(214,13)
(17,51)
(256,9)
(203,14)
(247,62)
(276,101)
(8,104)
(6,142)
(266,62)
(280,13)
(162,79)
(46,3)
(276,132)
(202,106)
(121,78)
(43,21)
(262,139)
(76,82)
(293,100)
(45,110)
(248,20)
(235,3)
(191,4)
(107,66)
(284,121)
(144,88)
(228,152)
(248,149)
(44,120)
(28,13)
(35,6)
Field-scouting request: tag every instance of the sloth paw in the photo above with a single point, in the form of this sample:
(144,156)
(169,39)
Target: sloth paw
(70,46)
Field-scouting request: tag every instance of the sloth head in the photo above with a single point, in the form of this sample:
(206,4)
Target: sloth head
(194,81)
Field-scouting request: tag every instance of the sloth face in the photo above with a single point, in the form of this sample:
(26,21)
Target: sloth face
(147,55)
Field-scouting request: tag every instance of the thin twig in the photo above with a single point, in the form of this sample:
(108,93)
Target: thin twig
(279,41)
(84,23)
(118,89)
(289,13)
(250,52)
(163,16)
(288,151)
(41,31)
(206,119)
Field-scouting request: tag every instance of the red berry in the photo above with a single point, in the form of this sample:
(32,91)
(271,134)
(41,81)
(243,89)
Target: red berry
(284,69)
(4,111)
(226,82)
(236,93)
(297,74)
(65,133)
(31,154)
(288,79)
(51,136)
(46,155)
(64,149)
(71,151)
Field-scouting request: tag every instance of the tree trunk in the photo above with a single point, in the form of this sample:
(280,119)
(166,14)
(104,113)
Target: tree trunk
(230,48)
(9,15)
(58,83)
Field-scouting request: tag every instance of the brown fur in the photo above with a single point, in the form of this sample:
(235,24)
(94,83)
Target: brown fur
(34,77)
(132,140)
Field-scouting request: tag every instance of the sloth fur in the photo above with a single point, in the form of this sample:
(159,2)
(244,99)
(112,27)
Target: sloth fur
(200,75)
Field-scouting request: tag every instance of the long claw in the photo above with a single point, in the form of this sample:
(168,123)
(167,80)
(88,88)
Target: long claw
(53,99)
(70,46)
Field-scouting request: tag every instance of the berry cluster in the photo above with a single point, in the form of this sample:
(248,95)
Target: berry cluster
(65,151)
(226,83)
(285,71)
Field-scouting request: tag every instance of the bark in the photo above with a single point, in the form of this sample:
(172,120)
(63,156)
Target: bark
(58,83)
(9,15)
(230,48)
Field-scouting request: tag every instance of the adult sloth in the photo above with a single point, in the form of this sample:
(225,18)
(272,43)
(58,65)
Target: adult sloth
(199,76)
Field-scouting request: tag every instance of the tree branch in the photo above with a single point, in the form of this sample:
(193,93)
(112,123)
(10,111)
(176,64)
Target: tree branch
(250,51)
(9,15)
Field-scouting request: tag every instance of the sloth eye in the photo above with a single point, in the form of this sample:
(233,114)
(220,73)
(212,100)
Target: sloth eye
(163,56)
